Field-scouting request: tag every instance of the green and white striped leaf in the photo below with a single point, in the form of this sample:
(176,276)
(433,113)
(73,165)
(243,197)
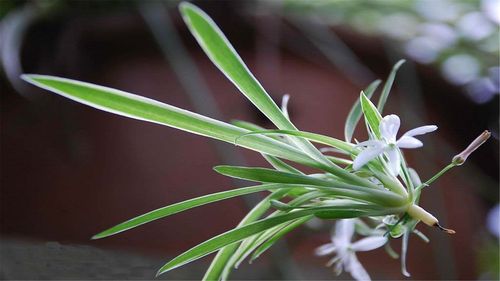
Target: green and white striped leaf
(271,176)
(245,231)
(372,116)
(275,162)
(388,85)
(280,165)
(141,108)
(249,244)
(356,112)
(224,56)
(347,148)
(186,205)
(338,188)
(318,138)
(277,236)
(220,261)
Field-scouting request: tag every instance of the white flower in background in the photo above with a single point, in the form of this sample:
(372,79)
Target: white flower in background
(422,49)
(442,34)
(493,220)
(399,26)
(389,127)
(475,26)
(461,69)
(346,250)
(440,11)
(492,9)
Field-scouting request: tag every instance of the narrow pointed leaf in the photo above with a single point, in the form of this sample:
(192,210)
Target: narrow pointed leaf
(254,127)
(278,235)
(240,233)
(339,161)
(378,196)
(224,56)
(348,148)
(280,165)
(356,112)
(186,205)
(248,245)
(270,176)
(220,261)
(372,116)
(141,108)
(388,85)
(275,162)
(326,140)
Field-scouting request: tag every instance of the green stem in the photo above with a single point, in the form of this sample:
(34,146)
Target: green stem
(436,176)
(391,183)
(406,175)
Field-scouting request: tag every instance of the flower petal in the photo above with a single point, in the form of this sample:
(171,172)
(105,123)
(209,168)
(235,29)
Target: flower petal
(338,268)
(421,130)
(389,127)
(408,142)
(344,229)
(357,270)
(369,243)
(375,143)
(332,261)
(394,161)
(365,156)
(324,250)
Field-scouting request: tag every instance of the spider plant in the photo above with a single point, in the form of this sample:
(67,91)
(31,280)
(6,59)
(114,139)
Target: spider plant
(369,182)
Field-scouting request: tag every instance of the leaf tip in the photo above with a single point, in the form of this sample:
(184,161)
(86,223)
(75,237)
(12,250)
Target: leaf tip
(362,95)
(98,236)
(399,64)
(186,8)
(25,76)
(165,268)
(219,169)
(30,78)
(39,80)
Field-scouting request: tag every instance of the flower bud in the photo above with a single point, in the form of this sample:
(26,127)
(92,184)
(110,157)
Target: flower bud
(460,158)
(418,213)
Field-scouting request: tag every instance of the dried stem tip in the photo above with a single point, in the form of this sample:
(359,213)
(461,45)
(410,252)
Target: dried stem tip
(447,230)
(460,158)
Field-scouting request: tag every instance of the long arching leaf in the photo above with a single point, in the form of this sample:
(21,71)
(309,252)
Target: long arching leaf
(141,108)
(186,205)
(240,233)
(224,56)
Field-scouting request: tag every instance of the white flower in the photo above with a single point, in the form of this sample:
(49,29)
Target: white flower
(389,127)
(346,251)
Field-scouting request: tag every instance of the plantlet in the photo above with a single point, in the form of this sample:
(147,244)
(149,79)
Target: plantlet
(368,184)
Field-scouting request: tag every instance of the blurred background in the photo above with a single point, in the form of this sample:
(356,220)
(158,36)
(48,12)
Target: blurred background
(69,171)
